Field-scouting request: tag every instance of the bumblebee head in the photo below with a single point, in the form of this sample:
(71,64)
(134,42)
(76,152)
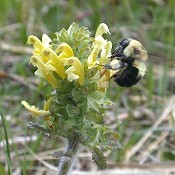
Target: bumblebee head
(136,50)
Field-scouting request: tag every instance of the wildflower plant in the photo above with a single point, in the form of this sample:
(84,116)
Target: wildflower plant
(75,109)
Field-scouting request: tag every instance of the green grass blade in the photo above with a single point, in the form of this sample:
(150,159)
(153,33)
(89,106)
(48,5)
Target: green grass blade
(7,147)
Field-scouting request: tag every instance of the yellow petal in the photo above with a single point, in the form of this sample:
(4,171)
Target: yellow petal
(92,58)
(106,52)
(46,40)
(100,53)
(78,67)
(36,61)
(71,75)
(99,45)
(102,28)
(55,61)
(35,41)
(47,104)
(35,110)
(64,47)
(47,107)
(44,57)
(45,71)
(100,41)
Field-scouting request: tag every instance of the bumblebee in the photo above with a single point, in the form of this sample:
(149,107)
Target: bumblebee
(129,59)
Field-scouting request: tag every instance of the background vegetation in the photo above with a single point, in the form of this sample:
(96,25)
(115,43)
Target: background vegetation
(144,115)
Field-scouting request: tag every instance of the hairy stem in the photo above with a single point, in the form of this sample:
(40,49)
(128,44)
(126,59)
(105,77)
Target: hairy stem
(66,162)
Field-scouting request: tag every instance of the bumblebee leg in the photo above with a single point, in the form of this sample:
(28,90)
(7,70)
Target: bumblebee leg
(117,56)
(108,66)
(102,72)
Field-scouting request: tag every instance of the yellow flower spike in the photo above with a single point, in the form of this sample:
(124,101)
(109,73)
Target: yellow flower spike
(77,68)
(44,71)
(35,41)
(64,47)
(102,28)
(35,110)
(55,61)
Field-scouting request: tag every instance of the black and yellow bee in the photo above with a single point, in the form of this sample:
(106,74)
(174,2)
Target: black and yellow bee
(129,59)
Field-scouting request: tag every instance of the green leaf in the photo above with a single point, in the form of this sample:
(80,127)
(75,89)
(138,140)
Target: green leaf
(95,101)
(97,118)
(98,158)
(64,36)
(109,132)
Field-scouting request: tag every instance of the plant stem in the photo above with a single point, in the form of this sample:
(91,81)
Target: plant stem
(66,162)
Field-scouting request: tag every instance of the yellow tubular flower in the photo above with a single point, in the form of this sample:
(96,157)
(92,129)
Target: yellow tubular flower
(99,41)
(44,57)
(55,61)
(36,61)
(100,45)
(38,45)
(102,28)
(35,41)
(71,75)
(105,54)
(44,71)
(35,110)
(76,71)
(92,59)
(65,48)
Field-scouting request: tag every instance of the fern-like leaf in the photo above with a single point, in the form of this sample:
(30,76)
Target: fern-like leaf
(98,158)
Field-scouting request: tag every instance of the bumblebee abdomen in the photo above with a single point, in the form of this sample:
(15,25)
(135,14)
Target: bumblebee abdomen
(128,77)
